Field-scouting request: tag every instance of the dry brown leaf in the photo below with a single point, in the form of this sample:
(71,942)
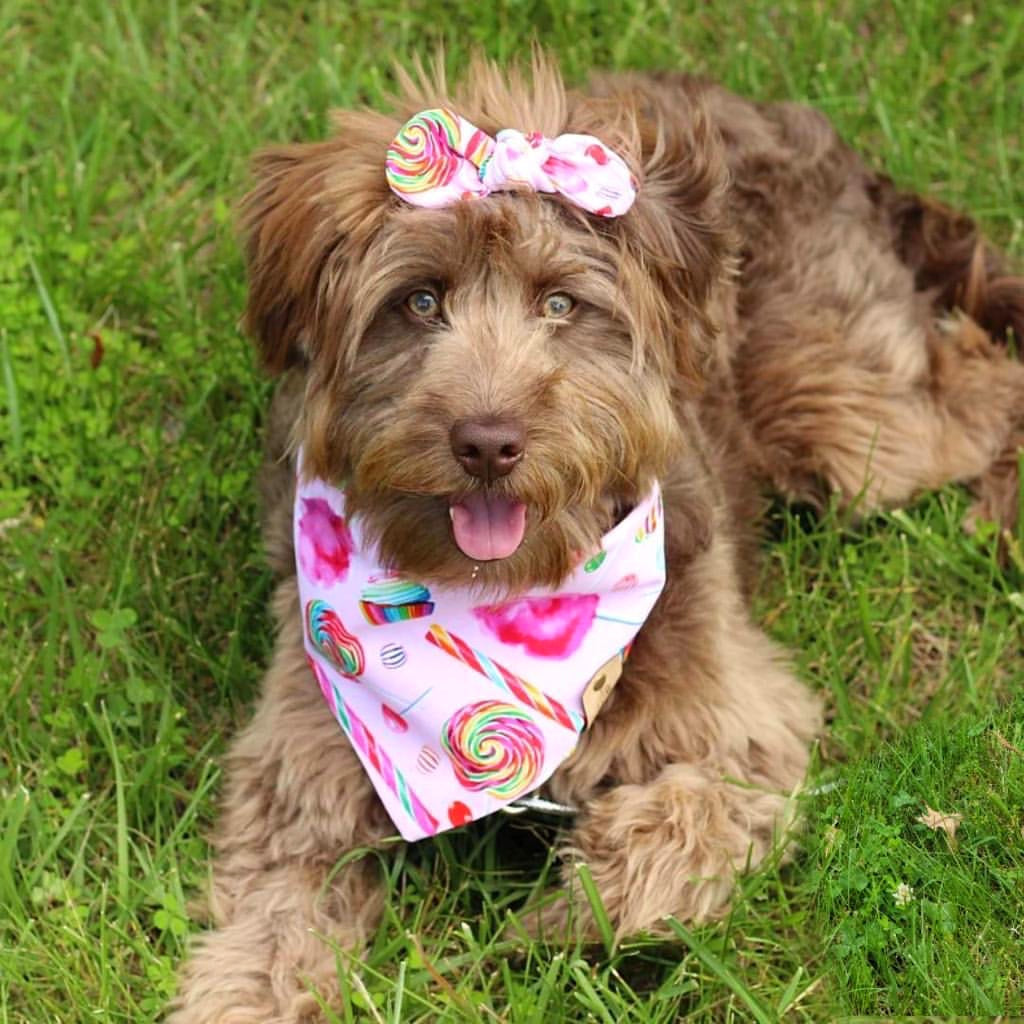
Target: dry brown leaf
(940,821)
(1005,743)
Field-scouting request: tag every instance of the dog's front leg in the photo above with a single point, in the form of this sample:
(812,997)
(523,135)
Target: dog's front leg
(686,782)
(671,846)
(284,895)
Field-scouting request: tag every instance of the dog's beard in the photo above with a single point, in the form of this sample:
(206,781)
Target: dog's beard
(429,518)
(432,520)
(415,535)
(502,538)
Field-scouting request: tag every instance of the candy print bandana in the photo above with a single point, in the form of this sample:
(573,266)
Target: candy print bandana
(439,158)
(456,706)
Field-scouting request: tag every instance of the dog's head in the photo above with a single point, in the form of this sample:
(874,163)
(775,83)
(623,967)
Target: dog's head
(493,381)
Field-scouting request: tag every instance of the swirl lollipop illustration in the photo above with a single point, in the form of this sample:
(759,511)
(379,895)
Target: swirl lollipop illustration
(494,746)
(331,639)
(425,153)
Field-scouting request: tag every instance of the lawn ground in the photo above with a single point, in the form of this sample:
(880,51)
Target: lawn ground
(132,587)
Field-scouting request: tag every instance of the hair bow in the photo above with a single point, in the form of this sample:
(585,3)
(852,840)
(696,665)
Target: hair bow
(439,158)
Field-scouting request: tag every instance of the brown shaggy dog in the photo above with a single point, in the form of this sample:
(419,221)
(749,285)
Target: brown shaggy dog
(771,314)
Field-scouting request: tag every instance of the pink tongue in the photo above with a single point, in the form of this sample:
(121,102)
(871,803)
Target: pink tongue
(488,527)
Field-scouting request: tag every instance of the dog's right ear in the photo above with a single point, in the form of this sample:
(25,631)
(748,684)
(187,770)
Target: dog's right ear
(313,208)
(288,243)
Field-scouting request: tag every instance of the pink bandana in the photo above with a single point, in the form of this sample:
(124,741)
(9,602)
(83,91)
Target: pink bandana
(456,707)
(439,158)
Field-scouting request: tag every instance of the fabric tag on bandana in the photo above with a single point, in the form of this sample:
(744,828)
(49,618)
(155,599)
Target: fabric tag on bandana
(456,706)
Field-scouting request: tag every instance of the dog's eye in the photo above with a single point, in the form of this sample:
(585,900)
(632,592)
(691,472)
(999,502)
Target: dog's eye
(558,305)
(424,304)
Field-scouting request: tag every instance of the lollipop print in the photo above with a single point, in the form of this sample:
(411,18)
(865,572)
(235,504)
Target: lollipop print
(503,678)
(331,639)
(393,719)
(459,813)
(376,757)
(424,154)
(493,746)
(325,686)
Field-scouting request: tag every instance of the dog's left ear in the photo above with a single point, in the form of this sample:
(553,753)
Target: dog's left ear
(313,207)
(679,228)
(675,239)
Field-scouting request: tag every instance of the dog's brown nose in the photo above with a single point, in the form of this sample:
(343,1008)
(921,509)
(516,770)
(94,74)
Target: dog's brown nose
(488,448)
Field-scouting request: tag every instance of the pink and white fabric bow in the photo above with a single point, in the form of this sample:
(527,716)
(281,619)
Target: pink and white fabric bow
(439,158)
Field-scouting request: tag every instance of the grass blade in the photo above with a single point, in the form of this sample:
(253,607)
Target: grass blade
(760,1013)
(604,925)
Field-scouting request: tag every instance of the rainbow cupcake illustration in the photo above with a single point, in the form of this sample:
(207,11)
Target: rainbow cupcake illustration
(394,599)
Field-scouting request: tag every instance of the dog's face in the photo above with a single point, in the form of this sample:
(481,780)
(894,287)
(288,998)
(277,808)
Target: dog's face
(492,382)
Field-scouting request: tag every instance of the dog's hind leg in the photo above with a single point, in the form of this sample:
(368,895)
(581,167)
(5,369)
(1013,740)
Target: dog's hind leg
(284,897)
(958,269)
(872,351)
(872,393)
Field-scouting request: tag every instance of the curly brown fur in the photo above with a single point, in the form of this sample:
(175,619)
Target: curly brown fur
(770,314)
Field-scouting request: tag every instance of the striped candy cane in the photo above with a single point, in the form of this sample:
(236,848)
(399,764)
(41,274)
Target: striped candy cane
(523,691)
(362,739)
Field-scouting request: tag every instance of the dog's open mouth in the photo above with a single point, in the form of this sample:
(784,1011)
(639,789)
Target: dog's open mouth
(488,526)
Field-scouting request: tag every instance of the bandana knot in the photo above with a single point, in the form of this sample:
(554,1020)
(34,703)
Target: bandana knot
(439,158)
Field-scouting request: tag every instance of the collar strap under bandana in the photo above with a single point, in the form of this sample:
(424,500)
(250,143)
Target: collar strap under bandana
(439,158)
(455,706)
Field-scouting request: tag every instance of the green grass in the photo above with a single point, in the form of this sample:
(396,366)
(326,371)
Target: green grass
(133,590)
